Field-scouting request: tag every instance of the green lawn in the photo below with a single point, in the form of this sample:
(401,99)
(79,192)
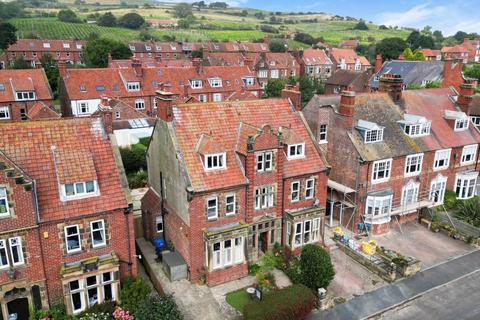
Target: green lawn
(238,299)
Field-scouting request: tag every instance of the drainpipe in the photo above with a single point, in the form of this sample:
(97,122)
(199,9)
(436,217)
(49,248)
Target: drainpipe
(162,207)
(126,211)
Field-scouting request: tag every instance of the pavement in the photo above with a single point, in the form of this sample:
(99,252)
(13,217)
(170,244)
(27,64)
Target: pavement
(381,300)
(461,297)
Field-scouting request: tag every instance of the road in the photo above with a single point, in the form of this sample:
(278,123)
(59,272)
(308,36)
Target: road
(457,300)
(379,301)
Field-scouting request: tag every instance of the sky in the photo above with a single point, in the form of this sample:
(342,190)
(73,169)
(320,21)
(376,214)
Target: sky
(449,16)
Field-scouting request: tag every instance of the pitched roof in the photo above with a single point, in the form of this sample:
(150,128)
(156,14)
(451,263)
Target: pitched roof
(38,147)
(411,71)
(223,122)
(459,48)
(224,58)
(12,80)
(315,57)
(349,55)
(148,62)
(40,111)
(280,60)
(112,81)
(431,52)
(347,77)
(123,114)
(47,45)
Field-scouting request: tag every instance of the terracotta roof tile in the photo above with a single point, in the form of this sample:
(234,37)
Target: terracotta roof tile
(24,80)
(48,45)
(315,57)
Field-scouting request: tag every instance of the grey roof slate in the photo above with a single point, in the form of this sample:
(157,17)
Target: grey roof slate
(411,71)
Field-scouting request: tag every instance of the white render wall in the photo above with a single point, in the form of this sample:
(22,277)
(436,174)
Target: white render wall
(92,105)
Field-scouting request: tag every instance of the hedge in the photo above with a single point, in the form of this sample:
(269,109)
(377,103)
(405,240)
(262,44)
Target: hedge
(294,302)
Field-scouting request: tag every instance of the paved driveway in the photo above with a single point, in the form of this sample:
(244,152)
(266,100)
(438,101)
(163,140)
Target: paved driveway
(417,241)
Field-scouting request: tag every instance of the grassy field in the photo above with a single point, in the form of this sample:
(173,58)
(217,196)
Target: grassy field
(212,25)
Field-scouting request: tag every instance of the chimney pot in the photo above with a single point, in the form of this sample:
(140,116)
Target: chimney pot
(293,93)
(347,106)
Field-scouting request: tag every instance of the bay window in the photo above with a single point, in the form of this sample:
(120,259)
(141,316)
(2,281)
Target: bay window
(465,185)
(305,232)
(378,205)
(227,252)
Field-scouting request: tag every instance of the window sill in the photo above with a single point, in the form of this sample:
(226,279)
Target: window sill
(467,163)
(322,142)
(380,181)
(440,168)
(99,246)
(409,175)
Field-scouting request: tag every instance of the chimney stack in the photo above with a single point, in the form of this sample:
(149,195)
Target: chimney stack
(106,113)
(137,66)
(293,93)
(452,73)
(378,63)
(197,63)
(62,69)
(391,84)
(165,104)
(465,96)
(347,106)
(110,60)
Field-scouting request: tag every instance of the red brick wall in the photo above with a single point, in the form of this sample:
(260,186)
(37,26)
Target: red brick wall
(55,253)
(227,274)
(74,56)
(16,106)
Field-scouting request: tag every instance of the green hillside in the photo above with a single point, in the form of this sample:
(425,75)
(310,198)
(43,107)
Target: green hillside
(211,24)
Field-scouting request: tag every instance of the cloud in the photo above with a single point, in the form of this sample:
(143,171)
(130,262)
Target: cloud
(417,16)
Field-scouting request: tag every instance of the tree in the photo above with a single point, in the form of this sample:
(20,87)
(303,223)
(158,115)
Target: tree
(51,70)
(259,15)
(274,88)
(67,15)
(186,22)
(96,52)
(277,46)
(460,36)
(390,48)
(10,10)
(156,307)
(438,35)
(418,55)
(383,27)
(182,10)
(7,35)
(218,5)
(305,38)
(20,63)
(131,20)
(107,20)
(361,25)
(473,71)
(316,267)
(408,54)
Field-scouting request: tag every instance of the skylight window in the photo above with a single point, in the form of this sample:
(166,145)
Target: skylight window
(2,87)
(100,88)
(215,161)
(138,123)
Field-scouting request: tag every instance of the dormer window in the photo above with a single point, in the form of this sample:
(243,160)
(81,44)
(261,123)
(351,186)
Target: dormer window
(148,48)
(296,151)
(215,161)
(196,84)
(371,131)
(133,86)
(79,46)
(415,126)
(215,82)
(46,45)
(80,190)
(25,95)
(461,124)
(250,81)
(132,48)
(66,45)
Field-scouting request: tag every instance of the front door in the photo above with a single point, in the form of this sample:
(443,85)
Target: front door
(263,242)
(18,309)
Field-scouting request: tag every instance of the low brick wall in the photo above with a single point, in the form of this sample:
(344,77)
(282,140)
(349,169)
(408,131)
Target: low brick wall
(147,250)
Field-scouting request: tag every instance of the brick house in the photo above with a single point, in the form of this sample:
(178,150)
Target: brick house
(473,47)
(347,59)
(137,85)
(229,180)
(458,52)
(20,90)
(432,54)
(32,50)
(343,79)
(315,63)
(67,227)
(162,50)
(272,65)
(394,154)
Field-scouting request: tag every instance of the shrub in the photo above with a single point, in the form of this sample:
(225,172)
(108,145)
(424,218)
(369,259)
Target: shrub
(316,267)
(131,20)
(450,200)
(292,270)
(106,307)
(361,25)
(469,211)
(138,179)
(134,157)
(155,307)
(120,314)
(294,302)
(95,316)
(253,269)
(134,293)
(67,15)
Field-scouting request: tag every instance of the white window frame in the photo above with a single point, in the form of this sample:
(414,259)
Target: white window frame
(295,191)
(102,232)
(469,151)
(21,259)
(140,104)
(80,195)
(264,161)
(202,97)
(322,133)
(133,86)
(4,198)
(438,186)
(227,253)
(296,233)
(212,207)
(296,151)
(263,73)
(215,82)
(249,81)
(442,156)
(315,230)
(81,293)
(264,197)
(475,120)
(274,74)
(372,136)
(159,221)
(77,234)
(307,231)
(221,161)
(196,84)
(465,185)
(230,203)
(238,249)
(418,158)
(461,124)
(410,193)
(217,263)
(25,95)
(378,206)
(3,247)
(217,97)
(310,188)
(388,170)
(4,113)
